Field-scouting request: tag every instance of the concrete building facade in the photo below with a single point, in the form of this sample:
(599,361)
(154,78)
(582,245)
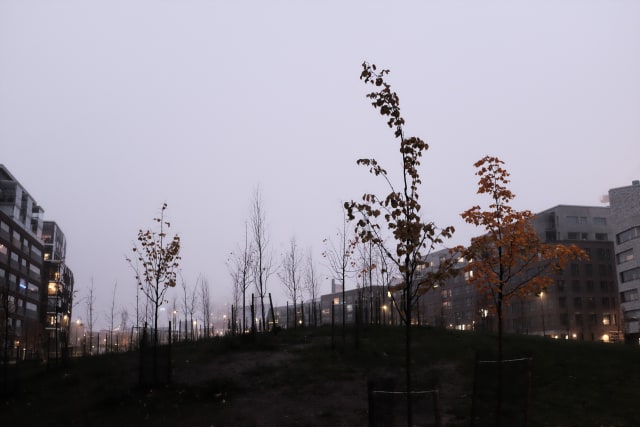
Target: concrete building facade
(625,219)
(582,304)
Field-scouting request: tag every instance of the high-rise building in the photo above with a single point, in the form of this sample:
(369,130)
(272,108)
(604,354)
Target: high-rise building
(23,287)
(625,222)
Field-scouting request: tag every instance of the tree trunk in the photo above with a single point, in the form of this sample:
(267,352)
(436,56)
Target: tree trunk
(262,308)
(500,364)
(408,355)
(244,315)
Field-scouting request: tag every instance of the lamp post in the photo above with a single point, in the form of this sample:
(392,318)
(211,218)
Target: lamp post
(483,314)
(175,313)
(78,326)
(544,330)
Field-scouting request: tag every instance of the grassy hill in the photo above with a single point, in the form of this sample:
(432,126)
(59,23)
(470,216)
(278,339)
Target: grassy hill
(295,379)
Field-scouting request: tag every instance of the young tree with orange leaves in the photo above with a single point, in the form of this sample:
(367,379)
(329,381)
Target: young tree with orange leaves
(509,260)
(155,262)
(395,223)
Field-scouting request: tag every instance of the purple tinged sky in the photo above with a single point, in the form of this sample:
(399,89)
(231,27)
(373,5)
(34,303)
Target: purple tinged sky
(110,108)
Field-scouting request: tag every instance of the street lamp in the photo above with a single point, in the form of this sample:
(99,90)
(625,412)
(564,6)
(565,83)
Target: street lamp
(175,312)
(544,330)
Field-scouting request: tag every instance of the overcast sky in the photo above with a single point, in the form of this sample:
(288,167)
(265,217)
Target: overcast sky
(110,108)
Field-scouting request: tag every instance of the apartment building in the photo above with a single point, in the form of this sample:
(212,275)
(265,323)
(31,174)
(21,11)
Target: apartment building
(370,304)
(24,292)
(625,223)
(57,301)
(582,304)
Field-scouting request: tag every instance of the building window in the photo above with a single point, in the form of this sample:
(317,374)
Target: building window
(602,236)
(631,233)
(575,285)
(562,302)
(622,257)
(593,319)
(34,270)
(591,302)
(560,285)
(575,269)
(579,319)
(564,319)
(574,235)
(588,269)
(603,253)
(52,288)
(590,285)
(599,220)
(32,290)
(572,219)
(631,315)
(31,308)
(36,252)
(603,270)
(606,319)
(604,286)
(577,302)
(605,302)
(629,275)
(628,296)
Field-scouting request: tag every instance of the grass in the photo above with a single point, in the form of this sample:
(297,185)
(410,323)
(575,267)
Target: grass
(293,378)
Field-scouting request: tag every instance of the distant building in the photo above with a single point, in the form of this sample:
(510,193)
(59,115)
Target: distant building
(24,292)
(625,222)
(371,304)
(454,303)
(582,303)
(304,314)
